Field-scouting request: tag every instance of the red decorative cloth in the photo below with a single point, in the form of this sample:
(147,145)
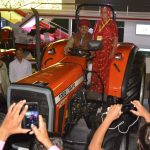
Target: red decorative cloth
(105,31)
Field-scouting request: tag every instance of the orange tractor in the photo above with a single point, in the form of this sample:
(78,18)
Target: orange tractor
(60,86)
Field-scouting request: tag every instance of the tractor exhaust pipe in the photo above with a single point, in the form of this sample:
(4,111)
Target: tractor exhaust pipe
(38,41)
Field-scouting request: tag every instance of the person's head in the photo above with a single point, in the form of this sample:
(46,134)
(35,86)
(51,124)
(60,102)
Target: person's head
(2,117)
(19,54)
(105,13)
(36,145)
(1,63)
(84,25)
(144,137)
(1,55)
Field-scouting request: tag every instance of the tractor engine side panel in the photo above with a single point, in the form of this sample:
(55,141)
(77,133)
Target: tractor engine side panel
(62,101)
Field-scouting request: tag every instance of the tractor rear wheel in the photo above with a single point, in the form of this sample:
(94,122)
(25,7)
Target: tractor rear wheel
(136,80)
(134,91)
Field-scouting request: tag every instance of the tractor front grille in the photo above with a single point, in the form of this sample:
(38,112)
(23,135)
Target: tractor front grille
(43,96)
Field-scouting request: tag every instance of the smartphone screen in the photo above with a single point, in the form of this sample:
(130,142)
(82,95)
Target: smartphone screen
(128,107)
(32,115)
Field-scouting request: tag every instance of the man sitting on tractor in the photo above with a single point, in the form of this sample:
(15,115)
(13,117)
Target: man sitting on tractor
(81,38)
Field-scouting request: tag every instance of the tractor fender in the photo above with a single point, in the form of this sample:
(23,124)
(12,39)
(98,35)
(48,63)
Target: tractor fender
(52,53)
(119,69)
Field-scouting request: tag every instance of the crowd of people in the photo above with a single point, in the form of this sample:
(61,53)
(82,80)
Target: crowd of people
(16,112)
(19,68)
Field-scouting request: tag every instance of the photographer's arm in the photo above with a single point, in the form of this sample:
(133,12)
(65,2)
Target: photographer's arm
(42,135)
(97,140)
(98,137)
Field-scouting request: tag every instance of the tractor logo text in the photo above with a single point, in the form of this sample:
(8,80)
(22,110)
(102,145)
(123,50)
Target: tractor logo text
(68,90)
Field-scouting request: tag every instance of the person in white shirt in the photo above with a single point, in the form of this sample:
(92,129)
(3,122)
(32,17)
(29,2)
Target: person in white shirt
(4,79)
(4,83)
(20,67)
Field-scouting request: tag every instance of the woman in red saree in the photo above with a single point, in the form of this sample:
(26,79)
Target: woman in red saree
(105,30)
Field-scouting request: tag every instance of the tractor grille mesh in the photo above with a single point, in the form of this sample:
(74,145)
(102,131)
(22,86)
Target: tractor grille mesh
(31,96)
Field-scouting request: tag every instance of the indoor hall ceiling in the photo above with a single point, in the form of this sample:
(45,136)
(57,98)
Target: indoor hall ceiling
(123,5)
(27,4)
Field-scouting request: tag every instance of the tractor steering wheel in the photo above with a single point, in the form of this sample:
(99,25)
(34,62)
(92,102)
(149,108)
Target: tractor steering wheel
(79,52)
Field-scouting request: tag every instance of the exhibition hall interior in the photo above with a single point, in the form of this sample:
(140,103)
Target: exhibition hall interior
(74,75)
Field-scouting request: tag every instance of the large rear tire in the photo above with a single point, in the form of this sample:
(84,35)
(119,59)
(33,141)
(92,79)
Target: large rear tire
(135,89)
(136,80)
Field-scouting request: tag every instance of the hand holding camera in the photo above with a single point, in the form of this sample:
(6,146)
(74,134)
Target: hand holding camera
(141,111)
(12,122)
(128,107)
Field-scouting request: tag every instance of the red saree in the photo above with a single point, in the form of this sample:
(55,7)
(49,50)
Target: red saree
(107,32)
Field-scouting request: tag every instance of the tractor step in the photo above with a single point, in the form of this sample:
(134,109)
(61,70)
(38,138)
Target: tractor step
(93,97)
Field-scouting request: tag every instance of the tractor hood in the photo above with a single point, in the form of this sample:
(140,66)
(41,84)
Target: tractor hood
(59,77)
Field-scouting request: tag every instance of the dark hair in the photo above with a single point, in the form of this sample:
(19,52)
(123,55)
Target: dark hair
(19,49)
(36,145)
(144,137)
(2,117)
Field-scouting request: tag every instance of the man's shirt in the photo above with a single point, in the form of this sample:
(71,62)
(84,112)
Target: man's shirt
(19,70)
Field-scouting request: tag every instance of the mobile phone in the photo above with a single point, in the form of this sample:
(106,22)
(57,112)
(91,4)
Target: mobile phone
(128,107)
(32,115)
